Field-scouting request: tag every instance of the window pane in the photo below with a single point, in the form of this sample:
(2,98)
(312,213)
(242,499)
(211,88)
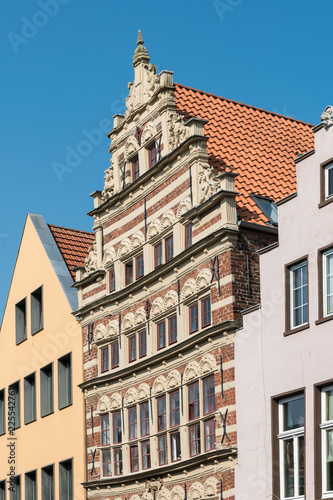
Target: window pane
(161,414)
(36,311)
(30,486)
(146,455)
(65,480)
(117,437)
(293,414)
(172,329)
(210,434)
(175,446)
(134,455)
(300,464)
(288,463)
(329,404)
(299,292)
(105,430)
(161,339)
(329,460)
(21,321)
(194,402)
(47,483)
(106,456)
(118,461)
(29,399)
(64,381)
(174,409)
(2,490)
(132,420)
(144,417)
(163,450)
(142,344)
(46,390)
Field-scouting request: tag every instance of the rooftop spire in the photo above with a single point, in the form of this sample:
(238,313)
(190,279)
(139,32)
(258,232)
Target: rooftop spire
(141,53)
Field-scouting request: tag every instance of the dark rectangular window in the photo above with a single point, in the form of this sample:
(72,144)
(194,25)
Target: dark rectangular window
(105,422)
(115,355)
(37,310)
(2,413)
(128,272)
(31,486)
(209,434)
(194,321)
(132,423)
(2,490)
(134,457)
(14,403)
(66,480)
(15,494)
(116,424)
(161,414)
(132,348)
(209,395)
(161,337)
(135,169)
(48,483)
(169,248)
(194,440)
(105,359)
(21,321)
(158,258)
(142,343)
(172,329)
(112,281)
(144,419)
(188,235)
(174,409)
(46,390)
(139,266)
(194,401)
(163,449)
(30,398)
(145,454)
(118,461)
(107,468)
(205,312)
(64,381)
(175,446)
(152,155)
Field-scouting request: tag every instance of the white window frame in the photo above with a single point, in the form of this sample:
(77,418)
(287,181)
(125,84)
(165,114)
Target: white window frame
(328,169)
(295,434)
(292,270)
(325,426)
(326,255)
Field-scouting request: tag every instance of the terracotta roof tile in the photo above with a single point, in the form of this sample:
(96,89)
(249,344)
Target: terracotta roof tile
(257,144)
(73,245)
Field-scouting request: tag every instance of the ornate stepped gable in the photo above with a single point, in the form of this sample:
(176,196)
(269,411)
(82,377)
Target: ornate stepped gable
(160,299)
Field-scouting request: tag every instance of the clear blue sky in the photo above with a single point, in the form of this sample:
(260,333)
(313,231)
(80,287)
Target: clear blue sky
(66,65)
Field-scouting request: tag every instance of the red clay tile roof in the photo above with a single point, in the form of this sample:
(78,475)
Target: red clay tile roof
(258,145)
(73,245)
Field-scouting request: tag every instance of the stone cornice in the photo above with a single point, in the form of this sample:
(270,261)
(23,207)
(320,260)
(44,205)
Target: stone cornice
(163,354)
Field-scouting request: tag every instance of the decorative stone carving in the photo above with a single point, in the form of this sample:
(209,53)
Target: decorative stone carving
(196,491)
(100,332)
(103,404)
(109,188)
(154,485)
(112,329)
(170,299)
(154,228)
(207,364)
(124,247)
(91,260)
(188,289)
(110,256)
(173,380)
(131,146)
(148,132)
(157,307)
(210,487)
(164,494)
(177,493)
(191,371)
(147,496)
(143,392)
(327,117)
(137,240)
(168,219)
(140,316)
(159,385)
(208,183)
(131,396)
(128,322)
(115,401)
(203,279)
(135,497)
(178,132)
(184,206)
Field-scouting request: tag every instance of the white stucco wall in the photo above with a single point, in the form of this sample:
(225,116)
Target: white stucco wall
(267,362)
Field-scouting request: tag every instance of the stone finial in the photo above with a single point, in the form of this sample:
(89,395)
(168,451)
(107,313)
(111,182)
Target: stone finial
(327,117)
(141,53)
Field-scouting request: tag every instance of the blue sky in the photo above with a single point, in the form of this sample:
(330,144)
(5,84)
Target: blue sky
(65,69)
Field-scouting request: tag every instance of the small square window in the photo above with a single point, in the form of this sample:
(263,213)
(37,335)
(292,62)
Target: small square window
(132,348)
(194,319)
(188,235)
(161,337)
(115,355)
(158,257)
(135,169)
(128,272)
(169,248)
(139,266)
(206,312)
(112,281)
(105,359)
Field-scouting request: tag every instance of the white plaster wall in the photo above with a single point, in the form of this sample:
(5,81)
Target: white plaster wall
(267,363)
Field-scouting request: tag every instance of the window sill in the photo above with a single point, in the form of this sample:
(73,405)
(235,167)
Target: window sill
(296,330)
(324,319)
(325,202)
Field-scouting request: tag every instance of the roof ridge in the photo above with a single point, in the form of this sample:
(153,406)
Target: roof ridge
(91,233)
(243,104)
